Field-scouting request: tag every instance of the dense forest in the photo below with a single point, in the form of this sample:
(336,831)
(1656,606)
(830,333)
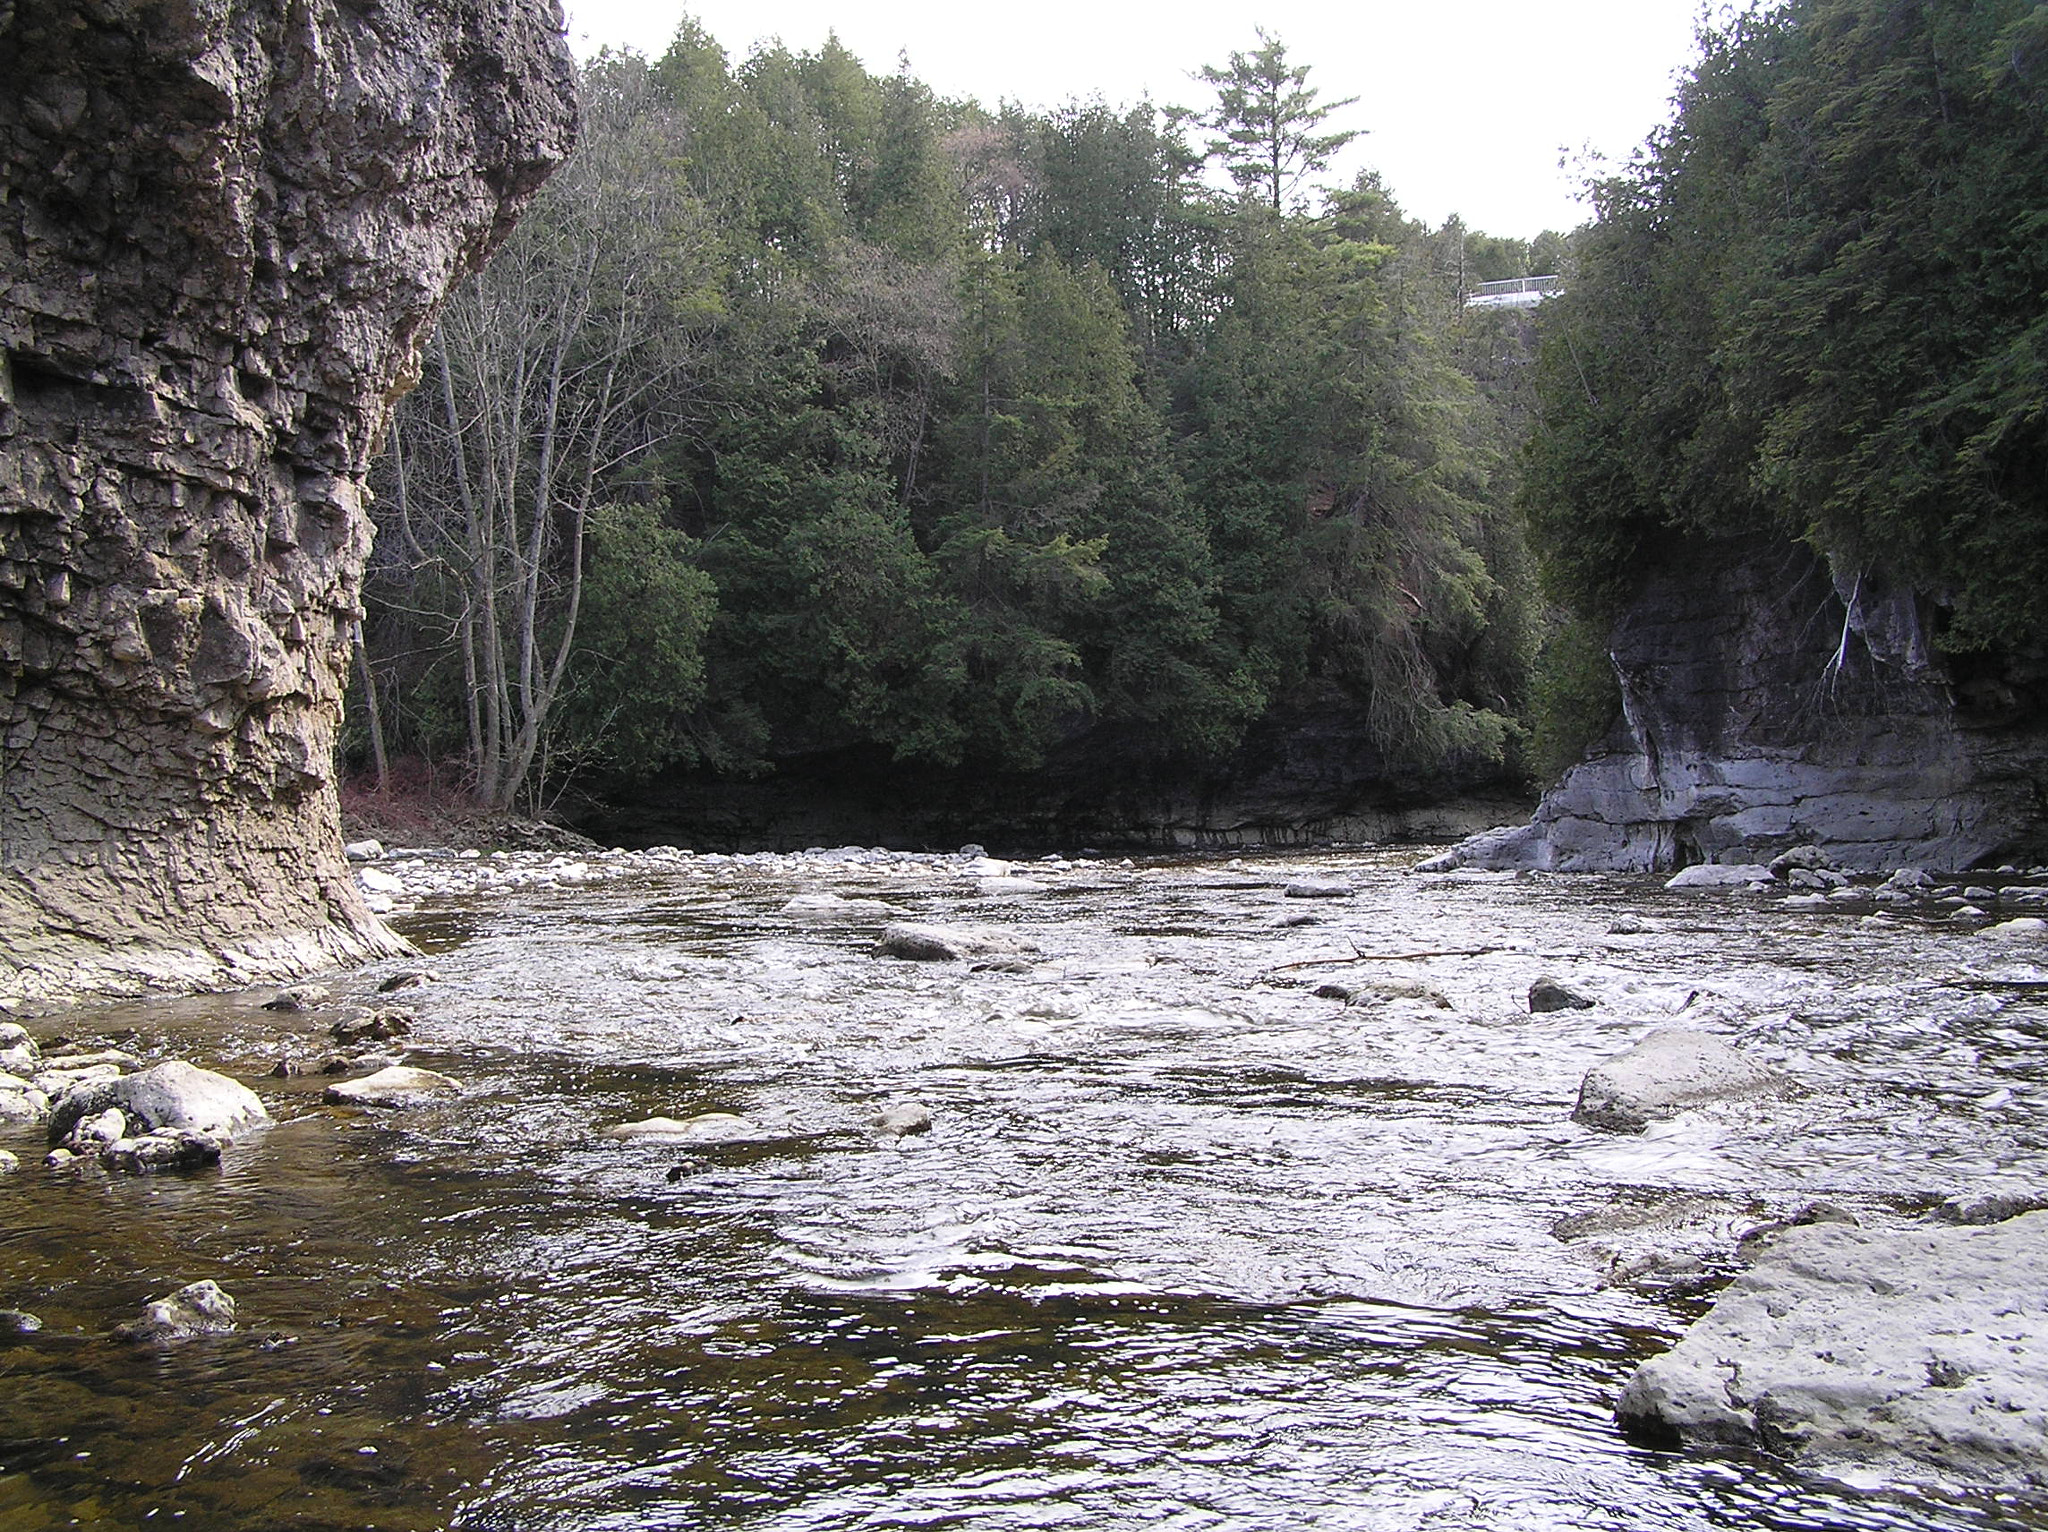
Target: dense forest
(1816,307)
(812,410)
(809,409)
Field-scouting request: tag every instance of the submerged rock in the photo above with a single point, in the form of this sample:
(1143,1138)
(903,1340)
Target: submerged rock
(173,1094)
(1992,1205)
(19,1053)
(10,1162)
(18,1322)
(900,1118)
(1317,888)
(199,1309)
(299,997)
(1548,994)
(1663,1075)
(395,1086)
(948,944)
(1924,1353)
(380,1025)
(705,1127)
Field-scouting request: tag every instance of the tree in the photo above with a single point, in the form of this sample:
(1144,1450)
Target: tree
(554,372)
(1268,122)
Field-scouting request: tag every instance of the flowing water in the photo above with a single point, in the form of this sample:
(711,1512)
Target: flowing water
(1188,1245)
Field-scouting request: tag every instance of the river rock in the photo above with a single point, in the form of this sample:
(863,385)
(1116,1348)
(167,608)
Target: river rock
(91,1134)
(165,1149)
(173,1094)
(299,997)
(1627,925)
(20,1101)
(1663,1075)
(394,1086)
(18,1322)
(1923,1353)
(380,1025)
(1992,1204)
(947,944)
(995,888)
(19,1054)
(10,1162)
(363,850)
(1548,994)
(1720,875)
(1806,858)
(2024,928)
(199,1309)
(704,1127)
(1317,888)
(407,978)
(828,906)
(901,1118)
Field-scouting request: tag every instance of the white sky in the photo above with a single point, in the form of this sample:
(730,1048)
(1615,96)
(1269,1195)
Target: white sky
(1468,104)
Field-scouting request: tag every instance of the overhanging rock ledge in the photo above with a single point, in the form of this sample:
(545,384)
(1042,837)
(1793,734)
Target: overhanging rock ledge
(225,227)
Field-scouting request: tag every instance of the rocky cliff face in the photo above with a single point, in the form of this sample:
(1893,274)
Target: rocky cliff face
(225,227)
(1769,701)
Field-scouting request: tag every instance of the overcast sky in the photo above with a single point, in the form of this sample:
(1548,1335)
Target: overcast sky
(1467,105)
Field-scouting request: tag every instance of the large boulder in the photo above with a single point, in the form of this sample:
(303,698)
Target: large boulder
(173,1094)
(1663,1075)
(225,229)
(1923,1353)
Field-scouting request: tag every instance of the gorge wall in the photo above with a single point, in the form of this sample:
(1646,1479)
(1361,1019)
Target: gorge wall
(1769,701)
(225,229)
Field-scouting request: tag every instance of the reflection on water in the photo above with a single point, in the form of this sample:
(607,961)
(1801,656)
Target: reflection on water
(1188,1246)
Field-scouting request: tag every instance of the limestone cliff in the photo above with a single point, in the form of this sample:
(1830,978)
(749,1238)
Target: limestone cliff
(225,226)
(1769,701)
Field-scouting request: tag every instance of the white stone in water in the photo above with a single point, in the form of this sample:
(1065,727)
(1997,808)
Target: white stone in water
(1909,878)
(173,1094)
(990,888)
(940,944)
(375,880)
(1720,875)
(827,904)
(1663,1075)
(1921,1354)
(10,1162)
(363,850)
(1806,901)
(1317,888)
(201,1308)
(900,1118)
(395,1086)
(2024,928)
(705,1127)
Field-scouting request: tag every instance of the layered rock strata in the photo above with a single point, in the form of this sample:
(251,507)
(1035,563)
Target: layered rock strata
(225,229)
(1770,701)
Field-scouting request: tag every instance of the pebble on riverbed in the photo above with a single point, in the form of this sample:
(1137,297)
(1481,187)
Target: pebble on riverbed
(948,944)
(900,1118)
(380,1025)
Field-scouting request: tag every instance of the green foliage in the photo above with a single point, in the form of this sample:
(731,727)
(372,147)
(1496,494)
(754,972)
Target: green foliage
(964,434)
(1574,697)
(638,672)
(1815,304)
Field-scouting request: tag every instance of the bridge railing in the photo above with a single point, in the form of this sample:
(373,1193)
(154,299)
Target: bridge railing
(1514,293)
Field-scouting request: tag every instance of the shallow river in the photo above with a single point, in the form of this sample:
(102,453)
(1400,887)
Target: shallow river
(1188,1246)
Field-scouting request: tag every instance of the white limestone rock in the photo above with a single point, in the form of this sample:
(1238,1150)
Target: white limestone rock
(1921,1355)
(1663,1075)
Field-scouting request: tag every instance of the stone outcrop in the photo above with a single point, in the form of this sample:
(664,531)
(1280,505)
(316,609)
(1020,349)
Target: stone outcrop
(224,232)
(1769,701)
(1921,1355)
